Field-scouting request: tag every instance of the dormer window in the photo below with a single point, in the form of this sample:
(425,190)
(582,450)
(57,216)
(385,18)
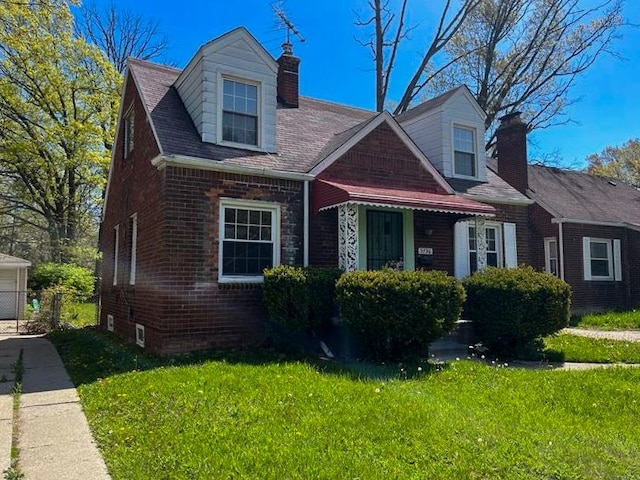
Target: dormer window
(240,112)
(464,152)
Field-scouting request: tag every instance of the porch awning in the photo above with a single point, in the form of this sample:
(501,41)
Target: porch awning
(329,194)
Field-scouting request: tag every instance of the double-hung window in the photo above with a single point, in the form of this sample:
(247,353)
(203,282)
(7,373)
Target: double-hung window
(602,259)
(551,255)
(464,152)
(116,241)
(249,239)
(240,112)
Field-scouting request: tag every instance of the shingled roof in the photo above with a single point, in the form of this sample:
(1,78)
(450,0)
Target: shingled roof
(302,134)
(577,195)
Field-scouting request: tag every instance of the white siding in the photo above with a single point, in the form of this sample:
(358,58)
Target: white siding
(433,132)
(426,131)
(235,55)
(190,89)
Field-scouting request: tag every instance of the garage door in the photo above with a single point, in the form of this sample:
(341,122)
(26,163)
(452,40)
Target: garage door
(7,294)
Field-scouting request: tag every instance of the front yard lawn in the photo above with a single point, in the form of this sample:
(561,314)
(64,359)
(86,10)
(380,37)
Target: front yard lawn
(629,320)
(575,348)
(262,416)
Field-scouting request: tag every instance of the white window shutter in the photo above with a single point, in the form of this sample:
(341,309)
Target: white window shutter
(617,261)
(586,257)
(510,248)
(461,249)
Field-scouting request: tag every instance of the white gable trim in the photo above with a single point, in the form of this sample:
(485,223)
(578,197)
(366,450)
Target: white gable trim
(372,125)
(128,75)
(471,99)
(240,33)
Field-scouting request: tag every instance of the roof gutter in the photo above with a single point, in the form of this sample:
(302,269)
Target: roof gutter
(630,226)
(498,201)
(162,161)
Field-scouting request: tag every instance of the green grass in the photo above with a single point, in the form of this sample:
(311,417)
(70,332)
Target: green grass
(81,314)
(263,416)
(629,320)
(575,348)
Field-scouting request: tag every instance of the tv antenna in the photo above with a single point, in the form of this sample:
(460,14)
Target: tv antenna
(288,24)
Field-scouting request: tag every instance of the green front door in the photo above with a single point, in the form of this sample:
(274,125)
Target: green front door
(384,238)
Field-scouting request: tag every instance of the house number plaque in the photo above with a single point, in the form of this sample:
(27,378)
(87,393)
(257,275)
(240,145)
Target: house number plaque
(425,251)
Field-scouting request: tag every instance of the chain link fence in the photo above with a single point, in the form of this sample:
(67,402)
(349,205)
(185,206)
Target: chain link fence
(31,312)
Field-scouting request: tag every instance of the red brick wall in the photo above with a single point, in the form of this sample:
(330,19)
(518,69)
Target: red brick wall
(323,238)
(135,187)
(540,226)
(440,239)
(382,159)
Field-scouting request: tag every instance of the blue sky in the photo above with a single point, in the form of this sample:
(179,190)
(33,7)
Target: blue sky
(335,67)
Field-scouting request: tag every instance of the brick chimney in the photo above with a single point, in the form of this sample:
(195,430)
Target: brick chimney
(288,76)
(511,138)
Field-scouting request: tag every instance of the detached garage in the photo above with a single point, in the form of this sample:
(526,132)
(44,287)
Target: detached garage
(13,287)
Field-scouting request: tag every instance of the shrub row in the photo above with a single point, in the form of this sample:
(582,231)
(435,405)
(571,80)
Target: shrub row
(71,277)
(398,314)
(301,299)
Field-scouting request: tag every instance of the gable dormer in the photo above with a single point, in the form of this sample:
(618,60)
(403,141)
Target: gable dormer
(449,129)
(229,89)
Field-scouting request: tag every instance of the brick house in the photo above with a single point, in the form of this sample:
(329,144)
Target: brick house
(584,229)
(222,169)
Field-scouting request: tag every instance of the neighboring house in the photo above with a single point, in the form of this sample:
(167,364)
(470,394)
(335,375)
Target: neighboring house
(222,169)
(585,229)
(13,287)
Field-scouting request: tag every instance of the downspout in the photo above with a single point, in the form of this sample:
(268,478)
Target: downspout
(561,249)
(305,227)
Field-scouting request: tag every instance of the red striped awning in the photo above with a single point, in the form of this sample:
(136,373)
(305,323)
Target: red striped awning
(330,194)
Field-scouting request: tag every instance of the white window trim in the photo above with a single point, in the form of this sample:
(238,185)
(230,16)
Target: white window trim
(275,233)
(260,123)
(613,256)
(116,242)
(110,323)
(134,248)
(476,154)
(548,257)
(128,138)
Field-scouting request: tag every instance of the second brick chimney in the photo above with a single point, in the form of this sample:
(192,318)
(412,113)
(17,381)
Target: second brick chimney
(288,77)
(511,143)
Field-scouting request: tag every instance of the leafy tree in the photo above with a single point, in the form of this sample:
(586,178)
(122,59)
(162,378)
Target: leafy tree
(520,55)
(619,162)
(58,104)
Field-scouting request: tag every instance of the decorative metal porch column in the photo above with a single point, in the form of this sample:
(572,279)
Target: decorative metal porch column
(348,237)
(481,244)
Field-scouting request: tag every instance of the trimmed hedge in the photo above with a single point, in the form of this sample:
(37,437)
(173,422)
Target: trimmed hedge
(512,307)
(300,298)
(71,277)
(398,314)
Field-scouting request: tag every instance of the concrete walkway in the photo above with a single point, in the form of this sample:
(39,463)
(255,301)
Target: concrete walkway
(626,335)
(54,440)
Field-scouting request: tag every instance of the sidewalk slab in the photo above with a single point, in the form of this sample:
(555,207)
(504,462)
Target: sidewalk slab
(55,442)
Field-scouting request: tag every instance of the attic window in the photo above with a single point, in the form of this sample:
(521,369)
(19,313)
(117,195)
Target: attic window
(464,152)
(129,122)
(240,112)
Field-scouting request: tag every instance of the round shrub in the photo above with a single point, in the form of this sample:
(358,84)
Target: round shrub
(398,314)
(298,298)
(73,277)
(512,307)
